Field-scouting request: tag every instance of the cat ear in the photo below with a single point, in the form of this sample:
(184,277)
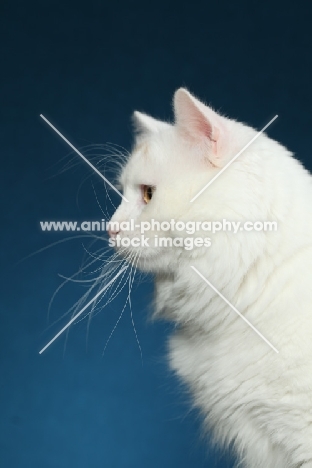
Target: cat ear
(145,124)
(199,123)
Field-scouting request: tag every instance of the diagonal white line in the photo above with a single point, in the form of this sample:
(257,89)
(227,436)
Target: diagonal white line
(84,308)
(83,157)
(235,310)
(232,160)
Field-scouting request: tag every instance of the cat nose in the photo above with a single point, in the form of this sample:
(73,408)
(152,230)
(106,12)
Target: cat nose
(112,232)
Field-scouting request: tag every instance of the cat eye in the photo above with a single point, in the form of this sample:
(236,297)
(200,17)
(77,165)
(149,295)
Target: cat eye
(147,192)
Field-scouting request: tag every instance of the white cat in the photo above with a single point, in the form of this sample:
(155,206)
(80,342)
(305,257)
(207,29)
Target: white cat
(253,399)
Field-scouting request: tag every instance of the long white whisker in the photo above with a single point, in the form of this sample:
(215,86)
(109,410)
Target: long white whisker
(83,157)
(104,277)
(130,305)
(100,279)
(53,244)
(82,310)
(100,206)
(121,314)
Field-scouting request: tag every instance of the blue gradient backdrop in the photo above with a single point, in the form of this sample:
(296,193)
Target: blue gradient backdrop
(87,66)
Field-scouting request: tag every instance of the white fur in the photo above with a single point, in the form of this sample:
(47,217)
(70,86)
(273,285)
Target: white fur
(256,400)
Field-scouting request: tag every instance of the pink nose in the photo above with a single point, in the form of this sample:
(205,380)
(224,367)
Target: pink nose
(112,233)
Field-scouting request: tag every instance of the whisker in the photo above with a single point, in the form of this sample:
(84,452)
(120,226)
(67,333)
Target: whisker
(130,305)
(82,310)
(100,206)
(104,275)
(53,244)
(121,314)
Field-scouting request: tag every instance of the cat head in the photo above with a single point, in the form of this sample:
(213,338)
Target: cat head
(170,164)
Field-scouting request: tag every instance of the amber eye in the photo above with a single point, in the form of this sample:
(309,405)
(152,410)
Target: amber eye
(147,192)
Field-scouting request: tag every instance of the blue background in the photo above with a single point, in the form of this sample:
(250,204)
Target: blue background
(87,66)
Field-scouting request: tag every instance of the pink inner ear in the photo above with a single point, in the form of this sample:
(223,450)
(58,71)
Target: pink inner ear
(200,129)
(200,124)
(193,117)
